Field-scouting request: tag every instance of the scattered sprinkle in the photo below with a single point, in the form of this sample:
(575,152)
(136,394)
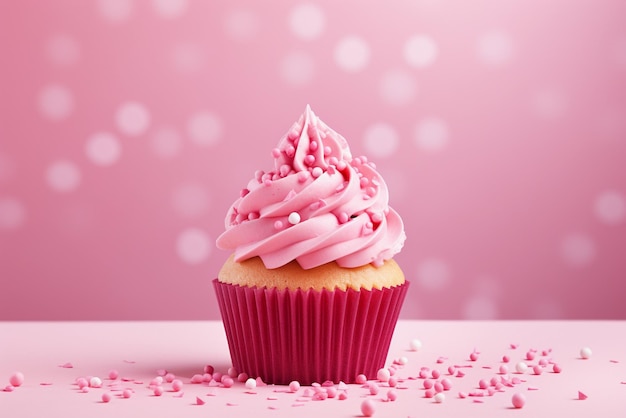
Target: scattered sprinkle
(16,379)
(582,396)
(66,365)
(199,401)
(367,408)
(585,353)
(518,400)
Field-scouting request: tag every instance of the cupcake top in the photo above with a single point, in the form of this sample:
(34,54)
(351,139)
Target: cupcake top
(317,205)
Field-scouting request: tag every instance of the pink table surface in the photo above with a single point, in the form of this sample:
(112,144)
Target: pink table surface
(139,349)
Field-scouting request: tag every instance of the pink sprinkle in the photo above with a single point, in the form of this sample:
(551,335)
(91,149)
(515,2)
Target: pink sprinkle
(342,386)
(45,383)
(514,346)
(446,383)
(260,382)
(127,379)
(342,396)
(360,379)
(543,362)
(158,391)
(242,377)
(532,388)
(503,369)
(113,374)
(393,381)
(429,393)
(9,388)
(199,401)
(127,393)
(276,153)
(331,392)
(491,391)
(518,400)
(451,370)
(483,384)
(179,395)
(614,361)
(294,386)
(227,382)
(383,375)
(16,379)
(473,356)
(392,395)
(169,377)
(367,408)
(196,378)
(272,407)
(582,396)
(67,365)
(177,385)
(537,369)
(428,384)
(530,355)
(163,372)
(505,359)
(556,368)
(373,387)
(106,397)
(477,400)
(460,374)
(435,374)
(208,369)
(82,382)
(320,396)
(231,404)
(423,373)
(438,387)
(462,395)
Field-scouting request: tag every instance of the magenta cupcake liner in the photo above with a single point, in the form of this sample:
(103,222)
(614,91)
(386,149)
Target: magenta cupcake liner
(307,335)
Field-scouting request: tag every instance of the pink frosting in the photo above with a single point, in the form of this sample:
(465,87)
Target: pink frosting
(317,205)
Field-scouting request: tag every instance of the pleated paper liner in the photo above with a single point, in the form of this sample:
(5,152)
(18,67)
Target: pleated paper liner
(307,335)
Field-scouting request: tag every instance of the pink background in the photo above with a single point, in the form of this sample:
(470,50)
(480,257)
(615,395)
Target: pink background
(127,128)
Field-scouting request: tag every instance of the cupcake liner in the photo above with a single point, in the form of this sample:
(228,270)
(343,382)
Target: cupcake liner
(307,335)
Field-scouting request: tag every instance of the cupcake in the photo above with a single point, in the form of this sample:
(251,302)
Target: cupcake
(310,291)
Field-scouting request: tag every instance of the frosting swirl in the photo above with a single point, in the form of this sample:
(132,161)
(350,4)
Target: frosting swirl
(317,205)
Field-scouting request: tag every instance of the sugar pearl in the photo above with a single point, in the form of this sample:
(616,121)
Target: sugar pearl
(294,386)
(95,382)
(383,375)
(113,374)
(127,393)
(518,400)
(360,379)
(440,397)
(521,367)
(177,385)
(367,408)
(106,397)
(250,384)
(16,379)
(415,345)
(294,218)
(585,352)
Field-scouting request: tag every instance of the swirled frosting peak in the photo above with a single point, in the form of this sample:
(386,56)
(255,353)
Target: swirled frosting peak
(318,204)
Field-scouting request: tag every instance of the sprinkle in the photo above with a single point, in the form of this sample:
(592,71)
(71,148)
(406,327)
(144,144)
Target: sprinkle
(428,384)
(585,353)
(513,346)
(537,369)
(82,382)
(242,377)
(179,395)
(113,374)
(45,383)
(294,218)
(429,393)
(415,344)
(127,393)
(435,374)
(360,379)
(367,408)
(16,379)
(383,375)
(294,386)
(477,400)
(342,385)
(503,369)
(521,367)
(177,385)
(393,382)
(460,373)
(342,396)
(505,359)
(251,383)
(8,388)
(276,153)
(316,172)
(95,382)
(331,392)
(228,382)
(66,365)
(199,401)
(163,372)
(130,361)
(518,400)
(231,404)
(440,397)
(373,387)
(473,356)
(196,378)
(532,388)
(158,391)
(614,361)
(169,377)
(582,396)
(446,383)
(483,384)
(462,395)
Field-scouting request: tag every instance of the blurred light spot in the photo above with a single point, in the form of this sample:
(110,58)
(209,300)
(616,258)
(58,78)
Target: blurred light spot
(420,51)
(56,102)
(193,246)
(12,213)
(433,274)
(7,168)
(103,149)
(204,128)
(352,54)
(241,25)
(63,176)
(610,207)
(190,200)
(170,9)
(115,11)
(380,140)
(307,21)
(480,307)
(431,134)
(397,87)
(132,118)
(495,49)
(166,142)
(188,58)
(297,68)
(549,104)
(62,50)
(577,250)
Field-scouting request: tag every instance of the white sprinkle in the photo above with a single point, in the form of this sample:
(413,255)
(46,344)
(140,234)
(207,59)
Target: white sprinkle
(585,352)
(521,367)
(415,345)
(294,218)
(250,384)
